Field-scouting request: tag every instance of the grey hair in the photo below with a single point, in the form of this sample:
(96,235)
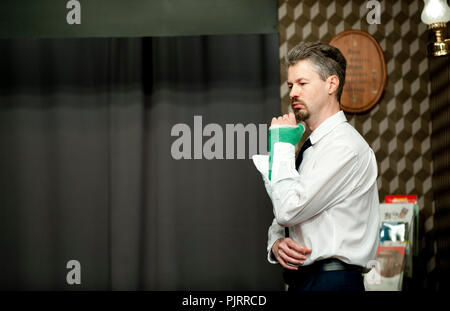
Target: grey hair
(327,60)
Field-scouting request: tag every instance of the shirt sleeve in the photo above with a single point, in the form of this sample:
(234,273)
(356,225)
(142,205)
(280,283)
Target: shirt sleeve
(261,163)
(275,232)
(299,197)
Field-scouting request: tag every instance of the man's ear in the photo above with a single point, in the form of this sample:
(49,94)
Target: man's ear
(332,84)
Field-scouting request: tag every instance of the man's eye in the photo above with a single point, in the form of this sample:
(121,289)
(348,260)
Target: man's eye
(289,86)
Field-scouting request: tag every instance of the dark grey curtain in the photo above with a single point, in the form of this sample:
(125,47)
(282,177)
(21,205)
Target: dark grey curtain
(86,171)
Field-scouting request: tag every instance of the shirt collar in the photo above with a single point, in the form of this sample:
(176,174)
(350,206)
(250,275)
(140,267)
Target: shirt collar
(327,126)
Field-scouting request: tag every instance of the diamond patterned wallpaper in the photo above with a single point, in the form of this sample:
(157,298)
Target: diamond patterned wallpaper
(398,128)
(440,145)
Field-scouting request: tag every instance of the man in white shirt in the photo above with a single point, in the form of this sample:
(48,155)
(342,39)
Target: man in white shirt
(330,202)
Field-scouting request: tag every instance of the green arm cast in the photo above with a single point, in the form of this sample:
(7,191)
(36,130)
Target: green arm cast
(290,135)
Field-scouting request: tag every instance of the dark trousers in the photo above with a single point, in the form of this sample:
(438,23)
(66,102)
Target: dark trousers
(314,279)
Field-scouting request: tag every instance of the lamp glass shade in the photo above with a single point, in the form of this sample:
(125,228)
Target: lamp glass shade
(435,11)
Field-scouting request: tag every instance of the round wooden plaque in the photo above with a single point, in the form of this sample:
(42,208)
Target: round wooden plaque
(365,77)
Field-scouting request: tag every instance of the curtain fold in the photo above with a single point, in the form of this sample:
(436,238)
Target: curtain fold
(87,171)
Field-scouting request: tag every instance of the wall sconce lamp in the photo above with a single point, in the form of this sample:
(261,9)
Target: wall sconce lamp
(436,14)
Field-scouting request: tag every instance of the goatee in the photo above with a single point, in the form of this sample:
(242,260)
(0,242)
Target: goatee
(301,115)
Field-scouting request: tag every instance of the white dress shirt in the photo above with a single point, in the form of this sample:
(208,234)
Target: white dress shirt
(331,203)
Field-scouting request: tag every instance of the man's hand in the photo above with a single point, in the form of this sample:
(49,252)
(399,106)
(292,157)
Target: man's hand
(287,119)
(289,253)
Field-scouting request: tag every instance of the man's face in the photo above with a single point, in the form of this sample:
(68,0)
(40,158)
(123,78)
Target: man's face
(308,92)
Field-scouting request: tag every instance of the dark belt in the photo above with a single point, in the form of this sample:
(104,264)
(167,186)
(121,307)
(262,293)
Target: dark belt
(331,264)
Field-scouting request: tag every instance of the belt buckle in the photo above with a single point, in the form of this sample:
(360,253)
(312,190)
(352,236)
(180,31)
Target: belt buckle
(338,265)
(332,265)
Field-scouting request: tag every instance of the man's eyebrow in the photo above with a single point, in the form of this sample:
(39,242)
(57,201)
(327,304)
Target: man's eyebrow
(298,80)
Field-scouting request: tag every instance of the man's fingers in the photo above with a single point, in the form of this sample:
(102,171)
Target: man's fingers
(285,265)
(293,253)
(292,119)
(288,119)
(290,259)
(298,247)
(289,267)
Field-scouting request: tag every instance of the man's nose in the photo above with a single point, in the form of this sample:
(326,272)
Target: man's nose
(295,92)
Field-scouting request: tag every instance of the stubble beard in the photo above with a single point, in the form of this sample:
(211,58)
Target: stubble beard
(301,115)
